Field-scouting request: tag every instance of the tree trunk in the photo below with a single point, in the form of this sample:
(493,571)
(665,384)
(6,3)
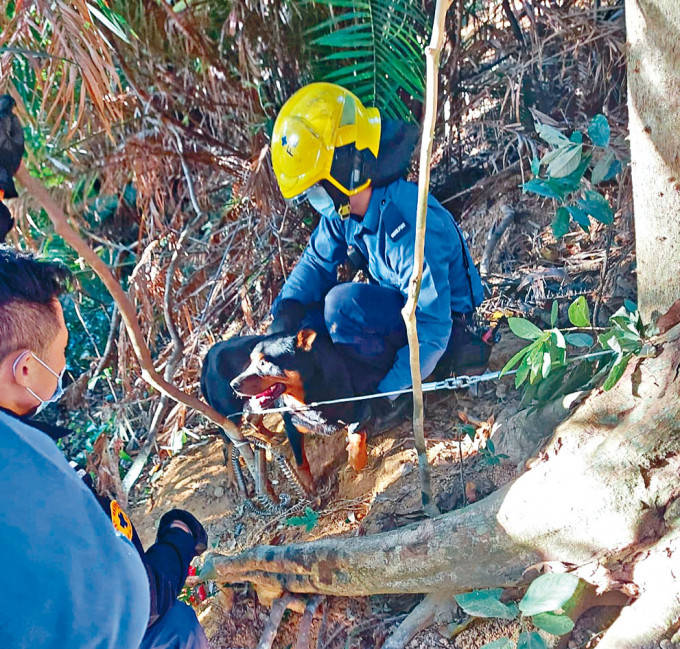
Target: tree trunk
(602,497)
(653,29)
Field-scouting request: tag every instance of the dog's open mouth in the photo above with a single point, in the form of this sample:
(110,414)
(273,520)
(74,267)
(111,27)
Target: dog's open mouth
(266,399)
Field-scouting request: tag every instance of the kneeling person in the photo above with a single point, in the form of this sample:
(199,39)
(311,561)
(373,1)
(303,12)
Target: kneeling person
(349,164)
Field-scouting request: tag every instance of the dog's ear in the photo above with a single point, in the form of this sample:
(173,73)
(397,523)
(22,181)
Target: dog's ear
(305,339)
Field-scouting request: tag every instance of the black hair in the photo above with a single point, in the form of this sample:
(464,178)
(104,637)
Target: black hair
(25,277)
(28,288)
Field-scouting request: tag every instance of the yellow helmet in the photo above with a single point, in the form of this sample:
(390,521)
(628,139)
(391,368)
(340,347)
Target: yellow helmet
(324,132)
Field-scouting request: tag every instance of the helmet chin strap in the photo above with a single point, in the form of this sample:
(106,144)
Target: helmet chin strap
(340,200)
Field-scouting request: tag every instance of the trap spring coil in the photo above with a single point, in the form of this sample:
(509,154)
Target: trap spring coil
(265,505)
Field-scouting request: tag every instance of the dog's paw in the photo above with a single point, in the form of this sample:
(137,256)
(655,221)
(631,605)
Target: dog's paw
(357,455)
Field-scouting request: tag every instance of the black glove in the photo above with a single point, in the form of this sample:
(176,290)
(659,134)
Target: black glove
(6,222)
(287,317)
(197,530)
(11,146)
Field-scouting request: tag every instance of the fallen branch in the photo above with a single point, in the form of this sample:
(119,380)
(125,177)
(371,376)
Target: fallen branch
(303,641)
(128,313)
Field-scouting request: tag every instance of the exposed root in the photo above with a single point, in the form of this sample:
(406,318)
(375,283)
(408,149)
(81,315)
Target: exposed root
(494,236)
(278,608)
(655,616)
(436,607)
(303,641)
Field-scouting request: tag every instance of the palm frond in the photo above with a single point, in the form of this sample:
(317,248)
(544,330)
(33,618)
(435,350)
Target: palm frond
(377,51)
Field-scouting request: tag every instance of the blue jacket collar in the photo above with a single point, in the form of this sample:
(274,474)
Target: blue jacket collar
(372,217)
(54,431)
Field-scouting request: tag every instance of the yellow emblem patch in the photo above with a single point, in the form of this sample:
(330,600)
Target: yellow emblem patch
(120,520)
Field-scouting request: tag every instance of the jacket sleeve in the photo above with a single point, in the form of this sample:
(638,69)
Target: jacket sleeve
(433,313)
(316,271)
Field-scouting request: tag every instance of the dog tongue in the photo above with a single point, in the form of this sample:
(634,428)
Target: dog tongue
(270,394)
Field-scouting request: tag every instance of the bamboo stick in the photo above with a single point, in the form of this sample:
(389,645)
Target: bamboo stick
(432,54)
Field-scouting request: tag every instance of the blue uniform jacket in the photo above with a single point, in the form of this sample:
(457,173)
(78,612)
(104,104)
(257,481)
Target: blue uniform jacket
(70,580)
(386,237)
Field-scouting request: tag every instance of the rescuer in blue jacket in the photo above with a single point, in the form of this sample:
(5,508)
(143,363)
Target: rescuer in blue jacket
(329,149)
(77,575)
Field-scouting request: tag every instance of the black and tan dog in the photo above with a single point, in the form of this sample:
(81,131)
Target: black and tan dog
(293,370)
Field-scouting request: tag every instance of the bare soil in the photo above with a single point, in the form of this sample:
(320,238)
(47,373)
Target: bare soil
(384,495)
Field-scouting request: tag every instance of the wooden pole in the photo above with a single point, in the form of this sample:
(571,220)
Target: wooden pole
(129,314)
(432,53)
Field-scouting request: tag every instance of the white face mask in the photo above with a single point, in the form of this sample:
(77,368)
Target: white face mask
(321,201)
(58,391)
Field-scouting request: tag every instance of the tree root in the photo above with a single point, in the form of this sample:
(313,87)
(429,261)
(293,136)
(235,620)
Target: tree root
(655,615)
(436,607)
(601,498)
(305,627)
(278,609)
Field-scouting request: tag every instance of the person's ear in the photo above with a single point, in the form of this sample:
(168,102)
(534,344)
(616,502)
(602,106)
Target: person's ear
(305,339)
(22,364)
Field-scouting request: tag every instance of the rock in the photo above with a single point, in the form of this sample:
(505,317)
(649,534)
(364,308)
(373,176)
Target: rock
(219,492)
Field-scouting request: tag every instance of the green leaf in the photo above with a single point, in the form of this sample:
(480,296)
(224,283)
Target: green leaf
(613,170)
(111,20)
(551,135)
(124,455)
(631,307)
(579,313)
(530,640)
(579,216)
(554,310)
(501,643)
(553,623)
(548,592)
(541,187)
(597,206)
(515,359)
(558,339)
(616,372)
(602,167)
(546,365)
(567,162)
(486,603)
(598,130)
(522,372)
(469,430)
(522,328)
(579,339)
(535,166)
(309,519)
(560,224)
(576,137)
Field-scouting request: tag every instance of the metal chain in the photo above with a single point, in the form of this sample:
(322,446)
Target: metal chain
(267,507)
(451,383)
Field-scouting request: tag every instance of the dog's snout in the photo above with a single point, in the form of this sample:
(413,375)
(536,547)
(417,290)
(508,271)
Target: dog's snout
(235,383)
